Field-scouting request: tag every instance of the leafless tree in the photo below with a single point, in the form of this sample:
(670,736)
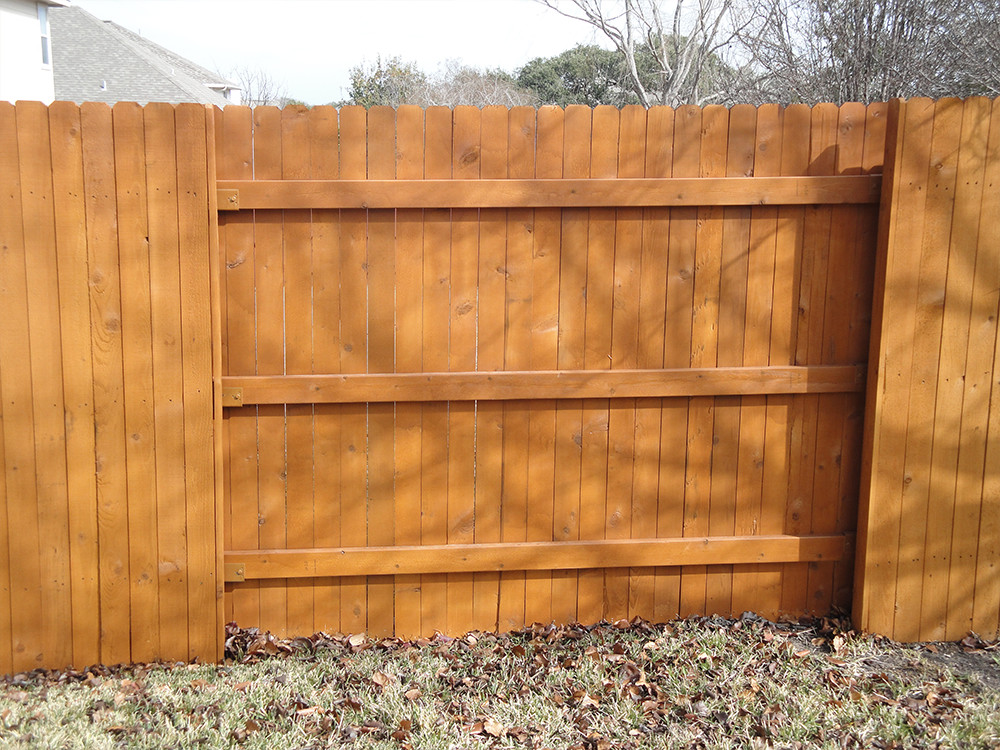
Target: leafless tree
(258,87)
(393,82)
(457,84)
(686,40)
(972,49)
(869,50)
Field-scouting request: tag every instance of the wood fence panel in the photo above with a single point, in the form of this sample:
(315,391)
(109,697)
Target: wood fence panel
(538,289)
(115,341)
(926,565)
(108,441)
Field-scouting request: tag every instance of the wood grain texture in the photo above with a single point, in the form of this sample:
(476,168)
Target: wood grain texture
(542,192)
(78,380)
(542,384)
(45,357)
(25,649)
(534,556)
(137,333)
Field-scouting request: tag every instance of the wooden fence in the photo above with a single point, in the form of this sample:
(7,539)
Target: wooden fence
(476,368)
(930,526)
(108,343)
(603,381)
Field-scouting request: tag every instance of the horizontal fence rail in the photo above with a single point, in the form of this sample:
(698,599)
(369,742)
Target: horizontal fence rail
(539,384)
(243,565)
(235,195)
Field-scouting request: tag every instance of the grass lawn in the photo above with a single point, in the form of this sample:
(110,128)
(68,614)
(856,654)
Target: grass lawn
(700,682)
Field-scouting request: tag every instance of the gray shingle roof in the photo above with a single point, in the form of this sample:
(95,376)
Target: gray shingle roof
(99,61)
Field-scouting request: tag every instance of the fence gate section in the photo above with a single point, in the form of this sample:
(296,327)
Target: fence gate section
(489,367)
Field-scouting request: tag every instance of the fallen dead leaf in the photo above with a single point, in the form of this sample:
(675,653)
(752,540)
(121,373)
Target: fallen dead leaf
(382,679)
(493,727)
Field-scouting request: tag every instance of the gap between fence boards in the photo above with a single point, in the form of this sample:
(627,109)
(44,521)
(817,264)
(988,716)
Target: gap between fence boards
(245,565)
(241,390)
(235,195)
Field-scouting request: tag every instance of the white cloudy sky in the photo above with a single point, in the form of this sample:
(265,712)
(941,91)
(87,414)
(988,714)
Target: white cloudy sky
(309,45)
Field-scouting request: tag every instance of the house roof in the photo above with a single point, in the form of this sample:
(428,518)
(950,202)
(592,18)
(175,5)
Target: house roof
(100,61)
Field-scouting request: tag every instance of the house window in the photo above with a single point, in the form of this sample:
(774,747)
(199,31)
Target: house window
(43,22)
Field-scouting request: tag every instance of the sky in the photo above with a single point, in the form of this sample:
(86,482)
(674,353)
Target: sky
(309,46)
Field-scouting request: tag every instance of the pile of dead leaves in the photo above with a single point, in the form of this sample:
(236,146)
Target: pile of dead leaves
(640,665)
(699,682)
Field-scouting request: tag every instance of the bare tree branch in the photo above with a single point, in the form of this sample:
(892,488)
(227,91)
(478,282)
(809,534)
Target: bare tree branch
(258,87)
(687,58)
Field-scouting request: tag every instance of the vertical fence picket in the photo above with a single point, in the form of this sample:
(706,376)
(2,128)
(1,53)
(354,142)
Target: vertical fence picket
(137,349)
(653,262)
(106,346)
(240,326)
(570,356)
(621,499)
(972,274)
(704,353)
(597,356)
(784,419)
(381,358)
(45,357)
(489,357)
(516,426)
(168,368)
(543,355)
(78,385)
(945,303)
(297,260)
(436,313)
(324,139)
(728,435)
(353,359)
(986,591)
(409,338)
(196,291)
(840,413)
(677,353)
(750,583)
(26,648)
(463,306)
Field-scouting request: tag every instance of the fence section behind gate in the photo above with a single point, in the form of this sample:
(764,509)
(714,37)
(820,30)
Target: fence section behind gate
(560,388)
